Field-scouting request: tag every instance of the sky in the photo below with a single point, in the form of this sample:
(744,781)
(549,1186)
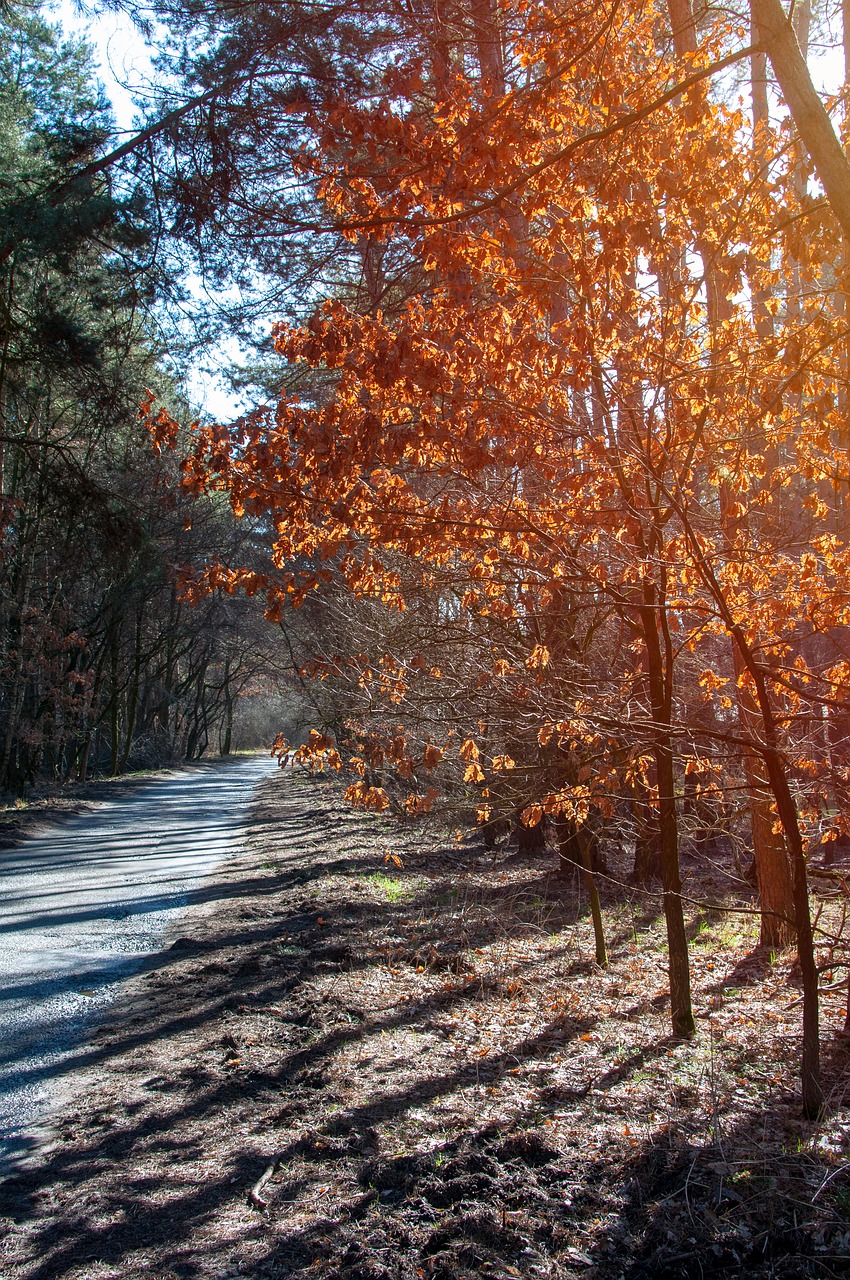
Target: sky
(124,61)
(123,56)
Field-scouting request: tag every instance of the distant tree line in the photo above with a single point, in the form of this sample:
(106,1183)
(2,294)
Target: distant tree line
(104,665)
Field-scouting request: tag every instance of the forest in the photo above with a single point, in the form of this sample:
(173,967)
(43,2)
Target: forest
(574,444)
(104,666)
(540,515)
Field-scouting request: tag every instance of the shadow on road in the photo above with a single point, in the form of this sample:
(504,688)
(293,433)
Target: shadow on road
(334,1024)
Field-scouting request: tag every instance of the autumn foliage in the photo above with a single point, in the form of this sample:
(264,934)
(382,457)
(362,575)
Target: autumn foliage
(597,453)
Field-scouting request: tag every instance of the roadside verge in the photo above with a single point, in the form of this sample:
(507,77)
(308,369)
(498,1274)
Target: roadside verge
(378,1054)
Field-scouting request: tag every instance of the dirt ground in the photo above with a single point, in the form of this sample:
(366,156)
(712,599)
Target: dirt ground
(381,1054)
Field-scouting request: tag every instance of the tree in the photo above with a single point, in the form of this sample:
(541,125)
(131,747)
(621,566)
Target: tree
(101,664)
(582,396)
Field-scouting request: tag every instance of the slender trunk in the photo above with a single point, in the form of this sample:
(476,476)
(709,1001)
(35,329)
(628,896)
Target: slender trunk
(114,708)
(197,725)
(169,674)
(29,528)
(575,850)
(682,26)
(81,765)
(4,365)
(758,84)
(787,810)
(773,871)
(761,125)
(226,739)
(681,1012)
(488,44)
(769,851)
(810,1061)
(841,494)
(227,744)
(133,695)
(593,895)
(83,759)
(647,861)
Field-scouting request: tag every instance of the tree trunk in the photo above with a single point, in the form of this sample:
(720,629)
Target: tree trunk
(761,123)
(575,849)
(810,1061)
(769,851)
(83,755)
(681,1012)
(787,810)
(593,895)
(114,698)
(227,744)
(133,695)
(808,112)
(773,871)
(226,741)
(647,863)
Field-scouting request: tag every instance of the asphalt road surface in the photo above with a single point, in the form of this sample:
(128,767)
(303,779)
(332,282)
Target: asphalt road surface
(82,906)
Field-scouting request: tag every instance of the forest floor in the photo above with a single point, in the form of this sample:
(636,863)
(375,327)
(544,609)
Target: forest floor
(381,1054)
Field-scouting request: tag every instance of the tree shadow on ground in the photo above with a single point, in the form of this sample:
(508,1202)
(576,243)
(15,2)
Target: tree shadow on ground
(570,1180)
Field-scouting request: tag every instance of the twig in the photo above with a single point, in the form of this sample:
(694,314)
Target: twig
(255,1194)
(715,1119)
(841,1169)
(832,986)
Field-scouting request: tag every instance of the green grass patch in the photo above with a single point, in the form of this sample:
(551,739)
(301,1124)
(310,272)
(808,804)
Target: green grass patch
(390,887)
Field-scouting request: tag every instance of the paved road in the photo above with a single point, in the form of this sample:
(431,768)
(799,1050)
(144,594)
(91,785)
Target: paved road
(82,906)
